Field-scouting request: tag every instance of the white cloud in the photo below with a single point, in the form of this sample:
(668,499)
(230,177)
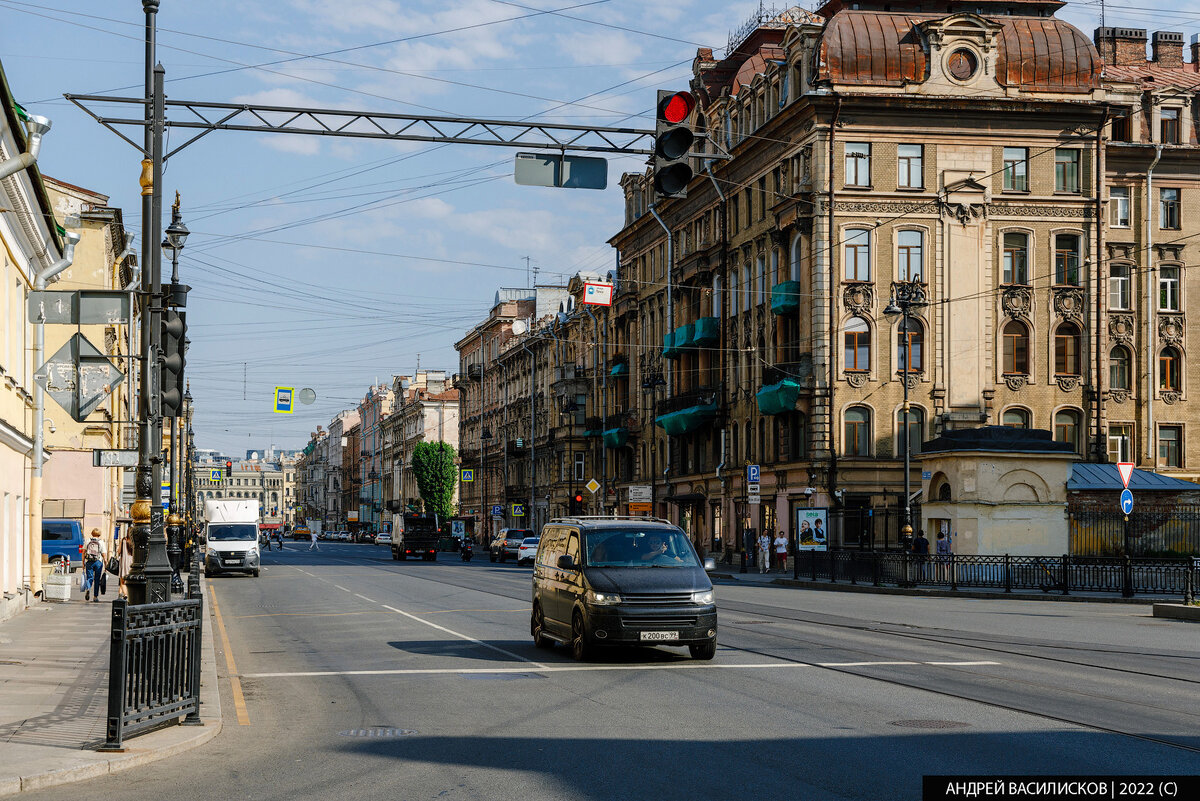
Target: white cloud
(599,47)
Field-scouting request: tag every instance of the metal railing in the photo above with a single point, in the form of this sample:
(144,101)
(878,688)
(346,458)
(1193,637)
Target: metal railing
(154,667)
(1061,574)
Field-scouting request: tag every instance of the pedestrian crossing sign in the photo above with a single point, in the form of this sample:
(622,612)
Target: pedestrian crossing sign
(518,510)
(468,474)
(215,475)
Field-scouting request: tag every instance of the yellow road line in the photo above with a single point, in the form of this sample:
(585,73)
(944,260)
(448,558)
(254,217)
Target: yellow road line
(235,682)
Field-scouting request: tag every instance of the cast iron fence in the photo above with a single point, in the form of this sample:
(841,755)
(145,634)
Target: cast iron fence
(154,667)
(1153,531)
(1062,574)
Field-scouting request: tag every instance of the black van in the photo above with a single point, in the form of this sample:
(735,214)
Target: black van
(621,581)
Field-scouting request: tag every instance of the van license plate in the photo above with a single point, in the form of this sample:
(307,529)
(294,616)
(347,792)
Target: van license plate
(233,561)
(660,635)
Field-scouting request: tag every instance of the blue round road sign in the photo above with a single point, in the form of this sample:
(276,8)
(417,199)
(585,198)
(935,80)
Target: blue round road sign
(1126,501)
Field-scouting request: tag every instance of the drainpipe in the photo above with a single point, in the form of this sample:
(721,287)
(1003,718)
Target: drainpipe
(720,315)
(41,279)
(1151,343)
(532,432)
(670,268)
(36,128)
(1099,450)
(831,261)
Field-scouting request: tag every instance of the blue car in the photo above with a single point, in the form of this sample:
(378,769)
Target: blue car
(62,540)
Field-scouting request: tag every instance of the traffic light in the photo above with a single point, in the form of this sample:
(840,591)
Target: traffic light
(673,138)
(577,504)
(228,469)
(171,385)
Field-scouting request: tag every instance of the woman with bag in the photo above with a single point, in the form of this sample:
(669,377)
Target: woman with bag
(124,563)
(93,566)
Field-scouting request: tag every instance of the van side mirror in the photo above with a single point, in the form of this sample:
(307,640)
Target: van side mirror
(565,562)
(710,564)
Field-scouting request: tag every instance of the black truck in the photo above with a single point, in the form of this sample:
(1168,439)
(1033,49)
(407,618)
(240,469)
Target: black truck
(418,539)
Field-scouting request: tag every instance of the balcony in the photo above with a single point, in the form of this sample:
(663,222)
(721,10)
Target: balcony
(707,332)
(616,437)
(778,398)
(593,427)
(670,351)
(689,411)
(785,297)
(474,372)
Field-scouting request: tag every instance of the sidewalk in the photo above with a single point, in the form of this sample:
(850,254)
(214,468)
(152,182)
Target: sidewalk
(752,576)
(54,697)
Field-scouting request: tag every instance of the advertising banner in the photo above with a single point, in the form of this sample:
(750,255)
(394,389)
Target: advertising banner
(812,529)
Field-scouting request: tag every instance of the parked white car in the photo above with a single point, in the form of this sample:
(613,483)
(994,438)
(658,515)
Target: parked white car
(528,550)
(383,538)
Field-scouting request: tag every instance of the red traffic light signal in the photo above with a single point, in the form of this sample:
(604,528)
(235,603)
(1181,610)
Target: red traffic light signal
(578,499)
(228,469)
(676,107)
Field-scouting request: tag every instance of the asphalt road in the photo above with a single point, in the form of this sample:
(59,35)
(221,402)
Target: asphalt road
(348,675)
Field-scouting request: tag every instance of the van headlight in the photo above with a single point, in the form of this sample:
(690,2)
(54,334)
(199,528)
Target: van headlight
(705,597)
(603,598)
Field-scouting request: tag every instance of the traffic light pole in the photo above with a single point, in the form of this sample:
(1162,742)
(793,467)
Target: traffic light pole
(149,579)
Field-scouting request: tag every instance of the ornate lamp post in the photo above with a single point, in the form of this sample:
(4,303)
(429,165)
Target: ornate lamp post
(906,296)
(175,296)
(652,383)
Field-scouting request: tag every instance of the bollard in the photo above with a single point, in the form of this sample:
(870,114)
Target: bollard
(1189,589)
(1007,573)
(953,573)
(1127,578)
(116,678)
(1066,574)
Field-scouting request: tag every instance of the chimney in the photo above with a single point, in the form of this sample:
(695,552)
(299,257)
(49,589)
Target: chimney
(1195,51)
(1168,49)
(1122,47)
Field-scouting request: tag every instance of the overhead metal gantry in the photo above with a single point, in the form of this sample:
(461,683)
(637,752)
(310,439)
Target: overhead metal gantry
(207,117)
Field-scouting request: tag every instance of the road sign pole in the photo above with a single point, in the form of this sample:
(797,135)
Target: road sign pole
(1127,571)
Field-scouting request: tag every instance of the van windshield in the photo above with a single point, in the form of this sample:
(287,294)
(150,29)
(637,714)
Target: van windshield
(232,531)
(637,548)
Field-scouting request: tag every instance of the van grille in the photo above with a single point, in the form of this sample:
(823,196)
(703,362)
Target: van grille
(657,599)
(660,621)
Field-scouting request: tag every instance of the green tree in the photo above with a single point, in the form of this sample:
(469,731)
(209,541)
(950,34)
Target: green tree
(433,464)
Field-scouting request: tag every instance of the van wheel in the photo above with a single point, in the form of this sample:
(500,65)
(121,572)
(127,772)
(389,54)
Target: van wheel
(255,574)
(581,649)
(537,626)
(705,650)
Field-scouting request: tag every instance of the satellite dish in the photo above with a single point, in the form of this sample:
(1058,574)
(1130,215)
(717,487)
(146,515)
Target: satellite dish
(519,327)
(306,396)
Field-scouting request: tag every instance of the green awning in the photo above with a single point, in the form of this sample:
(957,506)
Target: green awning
(620,370)
(707,332)
(592,432)
(309,448)
(778,398)
(669,350)
(785,297)
(615,437)
(683,337)
(687,420)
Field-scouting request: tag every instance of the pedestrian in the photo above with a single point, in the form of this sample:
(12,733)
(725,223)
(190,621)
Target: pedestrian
(279,538)
(93,566)
(942,548)
(312,537)
(920,549)
(125,562)
(764,552)
(781,549)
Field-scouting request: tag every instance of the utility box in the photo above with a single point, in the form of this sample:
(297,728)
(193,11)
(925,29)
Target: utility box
(57,587)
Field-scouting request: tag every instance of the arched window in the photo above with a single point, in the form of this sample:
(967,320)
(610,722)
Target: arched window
(717,286)
(762,439)
(915,434)
(910,261)
(858,255)
(857,441)
(943,493)
(797,252)
(760,289)
(910,342)
(1066,349)
(1168,370)
(1120,368)
(1015,418)
(858,344)
(1016,348)
(748,439)
(797,435)
(1066,259)
(733,293)
(735,454)
(1066,427)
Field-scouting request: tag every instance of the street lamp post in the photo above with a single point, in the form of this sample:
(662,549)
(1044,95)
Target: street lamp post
(906,296)
(176,296)
(651,384)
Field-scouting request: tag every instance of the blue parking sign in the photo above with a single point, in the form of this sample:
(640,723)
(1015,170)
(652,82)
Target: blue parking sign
(752,473)
(497,510)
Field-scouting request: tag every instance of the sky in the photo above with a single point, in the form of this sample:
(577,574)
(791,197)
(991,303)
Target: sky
(332,264)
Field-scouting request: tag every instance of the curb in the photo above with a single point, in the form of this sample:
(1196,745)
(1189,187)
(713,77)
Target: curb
(936,593)
(140,751)
(1178,612)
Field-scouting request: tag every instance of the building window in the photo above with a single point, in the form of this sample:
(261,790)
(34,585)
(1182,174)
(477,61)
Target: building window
(760,268)
(1015,418)
(1016,169)
(579,466)
(1118,207)
(1121,127)
(1170,446)
(1066,428)
(1066,349)
(858,164)
(1168,209)
(1168,370)
(912,331)
(1120,443)
(910,165)
(1168,288)
(910,247)
(1066,170)
(858,254)
(915,431)
(858,344)
(1168,126)
(858,432)
(762,198)
(1066,260)
(733,293)
(1016,349)
(1119,286)
(1120,368)
(1016,258)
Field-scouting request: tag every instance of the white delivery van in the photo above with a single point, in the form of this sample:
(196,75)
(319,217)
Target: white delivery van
(231,537)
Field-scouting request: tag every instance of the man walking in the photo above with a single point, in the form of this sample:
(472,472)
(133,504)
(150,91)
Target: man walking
(312,535)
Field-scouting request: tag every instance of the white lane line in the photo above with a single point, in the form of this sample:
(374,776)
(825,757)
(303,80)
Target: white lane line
(583,668)
(365,598)
(464,636)
(340,587)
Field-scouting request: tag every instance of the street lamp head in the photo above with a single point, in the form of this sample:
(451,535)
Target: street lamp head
(177,234)
(892,310)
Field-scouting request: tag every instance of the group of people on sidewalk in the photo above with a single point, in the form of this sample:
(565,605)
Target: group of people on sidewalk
(96,561)
(772,549)
(771,552)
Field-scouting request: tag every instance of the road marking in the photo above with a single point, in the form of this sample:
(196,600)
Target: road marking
(590,668)
(463,636)
(308,614)
(235,683)
(340,587)
(365,598)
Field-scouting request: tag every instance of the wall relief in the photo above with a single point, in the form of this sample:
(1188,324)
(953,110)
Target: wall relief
(856,380)
(1121,327)
(858,298)
(1067,382)
(1118,395)
(1068,302)
(1170,397)
(1015,382)
(1017,301)
(1170,328)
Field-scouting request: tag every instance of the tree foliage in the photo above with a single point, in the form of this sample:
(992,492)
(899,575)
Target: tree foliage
(436,473)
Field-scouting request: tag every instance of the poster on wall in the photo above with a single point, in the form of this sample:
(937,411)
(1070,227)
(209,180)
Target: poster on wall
(811,529)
